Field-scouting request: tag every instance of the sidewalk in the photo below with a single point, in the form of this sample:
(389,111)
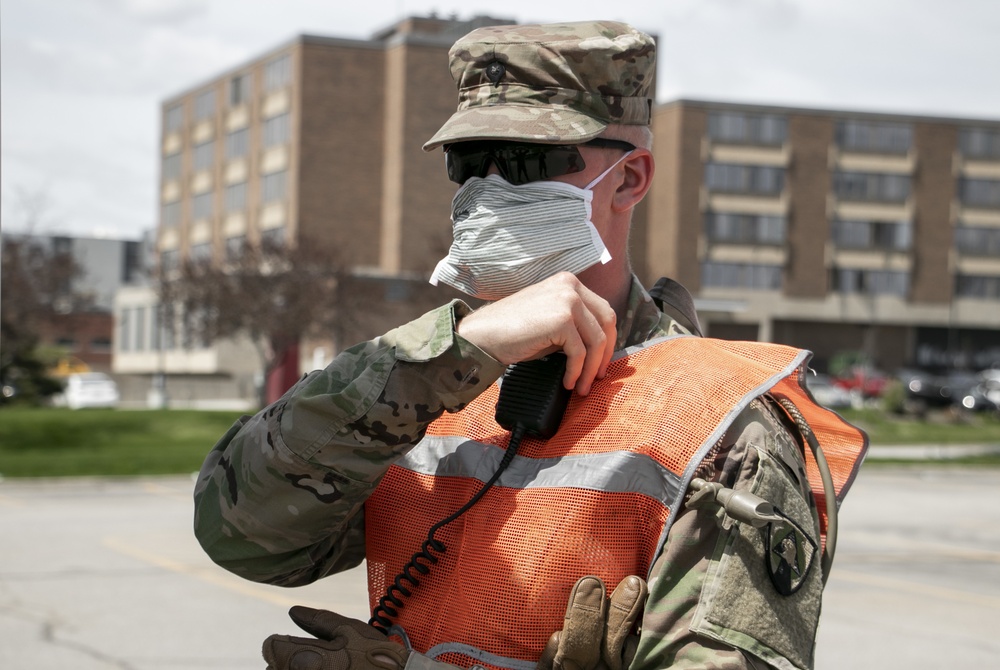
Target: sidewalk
(930,452)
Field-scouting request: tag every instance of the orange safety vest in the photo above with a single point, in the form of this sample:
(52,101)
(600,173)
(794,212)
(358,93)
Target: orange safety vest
(595,499)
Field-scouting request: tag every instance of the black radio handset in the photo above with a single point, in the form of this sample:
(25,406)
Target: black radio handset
(533,397)
(532,402)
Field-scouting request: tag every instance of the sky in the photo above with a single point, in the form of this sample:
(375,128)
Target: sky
(81,81)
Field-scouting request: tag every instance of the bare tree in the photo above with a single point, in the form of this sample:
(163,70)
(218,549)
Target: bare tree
(36,284)
(274,294)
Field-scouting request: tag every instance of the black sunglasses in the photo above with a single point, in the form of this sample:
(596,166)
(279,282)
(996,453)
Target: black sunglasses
(519,162)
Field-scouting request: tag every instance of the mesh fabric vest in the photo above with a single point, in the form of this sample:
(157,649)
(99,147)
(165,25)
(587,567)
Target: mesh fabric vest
(595,499)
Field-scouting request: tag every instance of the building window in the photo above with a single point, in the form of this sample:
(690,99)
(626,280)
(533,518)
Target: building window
(976,241)
(170,214)
(277,130)
(871,282)
(169,260)
(237,143)
(744,228)
(173,118)
(239,89)
(204,105)
(754,179)
(67,343)
(977,286)
(874,187)
(236,197)
(201,252)
(140,329)
(980,192)
(100,345)
(872,137)
(171,167)
(204,155)
(979,143)
(885,235)
(278,73)
(125,330)
(202,206)
(235,246)
(273,236)
(738,128)
(272,186)
(740,275)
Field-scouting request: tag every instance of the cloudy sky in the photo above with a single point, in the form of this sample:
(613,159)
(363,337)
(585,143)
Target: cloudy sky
(81,80)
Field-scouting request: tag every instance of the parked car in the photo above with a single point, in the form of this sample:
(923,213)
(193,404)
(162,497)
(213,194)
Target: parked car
(88,389)
(862,381)
(984,395)
(927,389)
(827,393)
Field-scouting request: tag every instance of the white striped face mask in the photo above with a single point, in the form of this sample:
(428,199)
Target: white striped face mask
(509,237)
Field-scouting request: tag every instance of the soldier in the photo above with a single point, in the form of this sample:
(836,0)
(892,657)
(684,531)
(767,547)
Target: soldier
(395,440)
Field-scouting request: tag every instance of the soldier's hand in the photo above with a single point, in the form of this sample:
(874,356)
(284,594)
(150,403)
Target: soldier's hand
(340,644)
(596,631)
(559,313)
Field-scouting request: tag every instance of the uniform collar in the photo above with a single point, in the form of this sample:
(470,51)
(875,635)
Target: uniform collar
(643,320)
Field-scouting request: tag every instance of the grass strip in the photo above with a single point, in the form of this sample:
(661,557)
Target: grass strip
(47,442)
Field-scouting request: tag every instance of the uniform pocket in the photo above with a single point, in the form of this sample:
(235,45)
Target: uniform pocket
(764,586)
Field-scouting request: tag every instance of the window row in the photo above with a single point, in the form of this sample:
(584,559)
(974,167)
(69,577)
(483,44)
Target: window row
(276,131)
(239,89)
(740,275)
(976,241)
(752,179)
(759,229)
(740,128)
(157,327)
(871,186)
(884,235)
(730,228)
(273,187)
(864,136)
(979,143)
(874,137)
(979,192)
(871,282)
(855,281)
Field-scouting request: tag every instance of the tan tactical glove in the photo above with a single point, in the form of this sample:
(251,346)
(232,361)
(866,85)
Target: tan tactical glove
(342,644)
(595,634)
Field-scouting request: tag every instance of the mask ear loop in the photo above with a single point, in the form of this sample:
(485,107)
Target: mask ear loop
(591,185)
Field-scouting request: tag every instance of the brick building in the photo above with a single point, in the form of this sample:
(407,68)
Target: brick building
(831,230)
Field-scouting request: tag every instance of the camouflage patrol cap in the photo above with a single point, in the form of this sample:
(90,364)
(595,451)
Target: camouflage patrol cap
(559,83)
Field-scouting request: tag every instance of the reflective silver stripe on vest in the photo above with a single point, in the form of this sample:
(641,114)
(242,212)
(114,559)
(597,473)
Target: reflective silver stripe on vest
(613,472)
(719,433)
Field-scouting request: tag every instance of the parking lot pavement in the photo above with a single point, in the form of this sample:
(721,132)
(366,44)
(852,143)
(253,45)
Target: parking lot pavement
(98,573)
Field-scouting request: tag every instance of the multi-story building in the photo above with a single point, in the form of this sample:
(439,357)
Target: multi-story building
(319,140)
(830,230)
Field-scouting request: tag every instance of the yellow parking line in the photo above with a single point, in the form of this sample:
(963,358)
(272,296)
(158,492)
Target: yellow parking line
(7,501)
(209,574)
(915,588)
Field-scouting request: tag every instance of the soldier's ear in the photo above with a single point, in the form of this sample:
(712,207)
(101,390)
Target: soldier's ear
(637,171)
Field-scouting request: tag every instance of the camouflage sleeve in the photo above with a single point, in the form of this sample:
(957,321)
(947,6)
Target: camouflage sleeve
(712,603)
(280,498)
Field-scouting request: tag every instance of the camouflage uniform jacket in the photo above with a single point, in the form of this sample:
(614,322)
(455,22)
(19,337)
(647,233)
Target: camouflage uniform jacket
(280,499)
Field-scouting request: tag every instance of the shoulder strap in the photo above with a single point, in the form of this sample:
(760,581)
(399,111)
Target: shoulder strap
(676,301)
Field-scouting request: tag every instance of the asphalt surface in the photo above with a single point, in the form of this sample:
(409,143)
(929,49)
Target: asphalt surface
(98,574)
